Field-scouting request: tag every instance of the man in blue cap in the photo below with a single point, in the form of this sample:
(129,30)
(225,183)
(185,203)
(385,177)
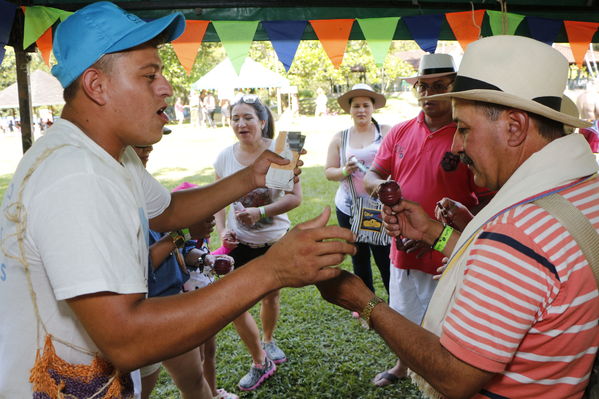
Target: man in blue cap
(75,219)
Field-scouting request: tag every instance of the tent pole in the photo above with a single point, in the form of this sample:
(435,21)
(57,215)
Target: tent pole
(24,87)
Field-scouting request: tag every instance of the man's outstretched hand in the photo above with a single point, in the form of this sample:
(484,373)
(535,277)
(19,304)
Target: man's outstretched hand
(306,254)
(346,290)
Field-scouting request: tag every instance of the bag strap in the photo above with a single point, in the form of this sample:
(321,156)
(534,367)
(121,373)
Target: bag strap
(343,159)
(577,225)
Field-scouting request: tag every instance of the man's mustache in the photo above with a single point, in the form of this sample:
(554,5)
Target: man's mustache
(466,159)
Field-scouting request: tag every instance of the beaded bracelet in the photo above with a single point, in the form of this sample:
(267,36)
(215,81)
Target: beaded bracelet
(443,239)
(262,212)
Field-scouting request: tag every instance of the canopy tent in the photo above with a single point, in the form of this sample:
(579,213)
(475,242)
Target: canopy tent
(253,75)
(45,90)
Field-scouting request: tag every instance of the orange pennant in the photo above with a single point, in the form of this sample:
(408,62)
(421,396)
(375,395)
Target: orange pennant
(186,46)
(466,25)
(333,35)
(580,34)
(44,44)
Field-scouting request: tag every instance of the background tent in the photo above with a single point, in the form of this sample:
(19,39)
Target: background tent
(45,90)
(253,75)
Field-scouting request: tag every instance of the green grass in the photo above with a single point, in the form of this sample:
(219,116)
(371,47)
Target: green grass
(330,354)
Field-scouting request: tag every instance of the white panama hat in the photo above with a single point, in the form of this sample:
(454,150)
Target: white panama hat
(433,66)
(514,71)
(361,90)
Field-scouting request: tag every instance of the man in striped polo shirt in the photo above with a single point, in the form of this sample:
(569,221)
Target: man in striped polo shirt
(515,314)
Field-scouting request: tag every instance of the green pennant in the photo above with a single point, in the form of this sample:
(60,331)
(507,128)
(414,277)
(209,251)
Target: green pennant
(64,15)
(237,37)
(378,33)
(504,23)
(37,20)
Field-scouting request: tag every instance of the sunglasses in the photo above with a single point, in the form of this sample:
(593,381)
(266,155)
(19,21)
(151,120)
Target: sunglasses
(249,99)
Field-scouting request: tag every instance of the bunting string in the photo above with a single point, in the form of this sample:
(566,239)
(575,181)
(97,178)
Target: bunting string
(333,34)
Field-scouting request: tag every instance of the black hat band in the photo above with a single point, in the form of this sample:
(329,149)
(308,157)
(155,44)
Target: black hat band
(431,71)
(464,83)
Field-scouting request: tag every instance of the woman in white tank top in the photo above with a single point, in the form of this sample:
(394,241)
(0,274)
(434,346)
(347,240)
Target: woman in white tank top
(360,144)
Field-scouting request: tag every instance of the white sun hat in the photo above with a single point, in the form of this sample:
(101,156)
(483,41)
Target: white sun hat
(514,71)
(433,66)
(361,90)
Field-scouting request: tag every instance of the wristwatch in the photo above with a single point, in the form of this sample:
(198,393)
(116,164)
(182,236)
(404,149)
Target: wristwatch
(178,238)
(365,314)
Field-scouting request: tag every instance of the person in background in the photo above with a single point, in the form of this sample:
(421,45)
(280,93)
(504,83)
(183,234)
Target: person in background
(179,111)
(167,274)
(225,111)
(414,153)
(349,148)
(75,219)
(209,102)
(253,224)
(194,108)
(588,102)
(321,103)
(515,312)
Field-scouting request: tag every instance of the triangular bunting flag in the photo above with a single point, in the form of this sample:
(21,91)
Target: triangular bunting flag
(285,36)
(186,46)
(504,23)
(37,21)
(465,25)
(7,16)
(64,15)
(378,33)
(580,34)
(237,37)
(425,30)
(333,35)
(44,44)
(543,29)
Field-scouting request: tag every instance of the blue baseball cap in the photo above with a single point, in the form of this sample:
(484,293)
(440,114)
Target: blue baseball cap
(102,28)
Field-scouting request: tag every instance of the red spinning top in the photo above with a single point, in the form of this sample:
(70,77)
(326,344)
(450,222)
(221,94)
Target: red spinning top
(390,194)
(222,266)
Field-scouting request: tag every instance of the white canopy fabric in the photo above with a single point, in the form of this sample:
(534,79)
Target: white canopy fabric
(253,75)
(45,90)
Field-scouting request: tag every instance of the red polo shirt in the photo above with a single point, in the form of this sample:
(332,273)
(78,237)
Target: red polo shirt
(412,155)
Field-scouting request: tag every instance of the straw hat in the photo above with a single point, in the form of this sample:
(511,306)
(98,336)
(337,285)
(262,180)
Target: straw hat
(569,107)
(433,66)
(361,90)
(514,71)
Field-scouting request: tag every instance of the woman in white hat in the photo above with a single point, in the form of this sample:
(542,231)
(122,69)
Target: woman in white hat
(350,154)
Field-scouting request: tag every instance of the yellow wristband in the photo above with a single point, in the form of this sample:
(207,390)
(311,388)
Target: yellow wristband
(365,313)
(441,241)
(262,212)
(344,171)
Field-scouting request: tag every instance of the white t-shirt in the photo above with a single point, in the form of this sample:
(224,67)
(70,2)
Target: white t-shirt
(86,232)
(265,230)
